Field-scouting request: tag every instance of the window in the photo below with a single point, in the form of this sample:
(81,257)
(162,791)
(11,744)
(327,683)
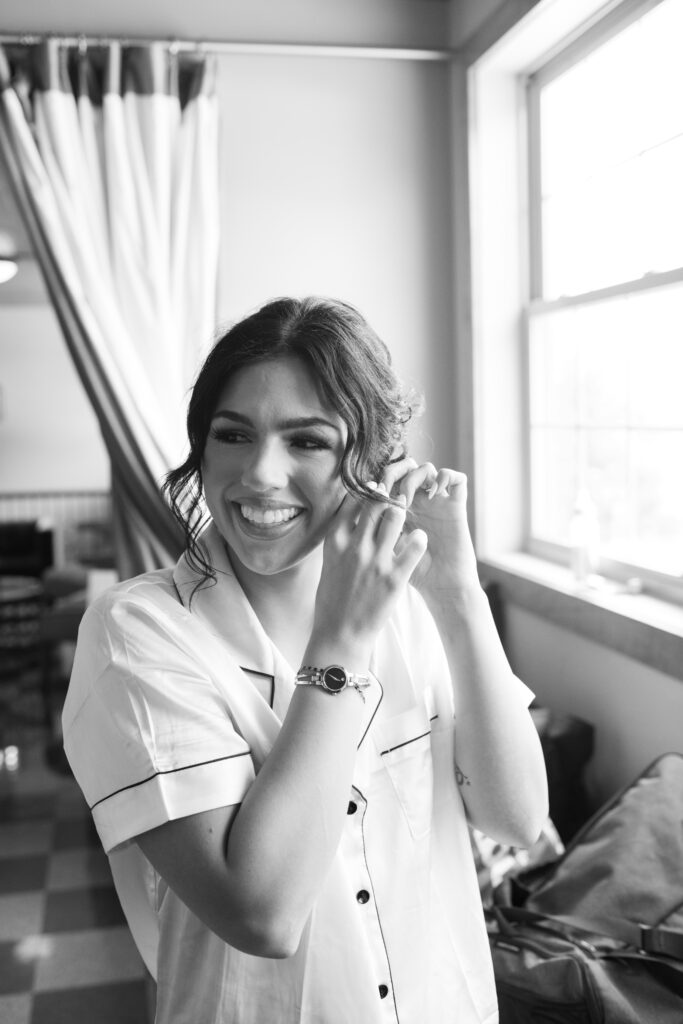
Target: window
(605,311)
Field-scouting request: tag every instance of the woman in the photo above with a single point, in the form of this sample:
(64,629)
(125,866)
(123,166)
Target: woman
(281,737)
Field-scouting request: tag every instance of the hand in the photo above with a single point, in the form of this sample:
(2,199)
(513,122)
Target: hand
(367,562)
(437,503)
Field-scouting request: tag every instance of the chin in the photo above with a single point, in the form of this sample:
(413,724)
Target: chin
(266,563)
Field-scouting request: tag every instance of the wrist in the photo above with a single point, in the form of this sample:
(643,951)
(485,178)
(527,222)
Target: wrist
(334,679)
(335,649)
(460,600)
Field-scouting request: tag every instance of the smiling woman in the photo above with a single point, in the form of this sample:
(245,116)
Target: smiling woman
(284,850)
(347,380)
(271,466)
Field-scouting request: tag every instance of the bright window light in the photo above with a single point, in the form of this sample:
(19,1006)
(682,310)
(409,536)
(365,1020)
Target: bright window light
(606,321)
(611,131)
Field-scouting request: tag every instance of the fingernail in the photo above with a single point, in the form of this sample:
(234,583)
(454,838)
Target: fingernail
(372,485)
(432,490)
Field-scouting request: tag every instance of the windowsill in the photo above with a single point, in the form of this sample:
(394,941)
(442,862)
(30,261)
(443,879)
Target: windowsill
(637,625)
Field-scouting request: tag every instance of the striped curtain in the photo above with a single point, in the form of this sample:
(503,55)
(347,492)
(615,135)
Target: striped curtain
(112,153)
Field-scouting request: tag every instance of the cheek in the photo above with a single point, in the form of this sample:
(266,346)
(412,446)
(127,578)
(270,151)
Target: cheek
(329,489)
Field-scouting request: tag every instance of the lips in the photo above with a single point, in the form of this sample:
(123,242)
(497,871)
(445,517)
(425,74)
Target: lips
(258,516)
(264,520)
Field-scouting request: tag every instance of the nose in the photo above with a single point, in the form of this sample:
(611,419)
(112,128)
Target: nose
(265,468)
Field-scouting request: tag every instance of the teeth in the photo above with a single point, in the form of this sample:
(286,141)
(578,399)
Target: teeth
(268,516)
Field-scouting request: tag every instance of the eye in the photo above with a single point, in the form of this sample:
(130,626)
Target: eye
(310,442)
(228,435)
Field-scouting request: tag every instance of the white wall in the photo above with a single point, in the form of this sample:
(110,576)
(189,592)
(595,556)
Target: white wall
(49,437)
(337,182)
(637,712)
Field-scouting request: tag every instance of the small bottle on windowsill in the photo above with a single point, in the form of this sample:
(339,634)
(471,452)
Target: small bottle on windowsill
(584,538)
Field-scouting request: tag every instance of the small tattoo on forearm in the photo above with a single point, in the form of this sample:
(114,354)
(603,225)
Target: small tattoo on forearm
(460,777)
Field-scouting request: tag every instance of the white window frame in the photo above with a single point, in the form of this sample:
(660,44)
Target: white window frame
(493,262)
(665,585)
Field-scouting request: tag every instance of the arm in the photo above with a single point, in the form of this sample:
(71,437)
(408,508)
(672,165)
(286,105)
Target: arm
(252,873)
(499,758)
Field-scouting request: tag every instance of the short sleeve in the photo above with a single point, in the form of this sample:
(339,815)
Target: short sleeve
(147,734)
(526,696)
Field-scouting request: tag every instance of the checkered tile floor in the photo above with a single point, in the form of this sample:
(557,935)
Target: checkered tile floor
(65,952)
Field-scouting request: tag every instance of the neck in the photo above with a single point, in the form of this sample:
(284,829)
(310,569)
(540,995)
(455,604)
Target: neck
(284,602)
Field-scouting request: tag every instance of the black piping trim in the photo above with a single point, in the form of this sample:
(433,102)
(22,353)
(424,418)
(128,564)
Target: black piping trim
(255,672)
(168,771)
(263,675)
(381,698)
(413,740)
(374,900)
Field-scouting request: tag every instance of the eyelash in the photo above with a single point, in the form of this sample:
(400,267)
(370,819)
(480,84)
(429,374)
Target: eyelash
(306,442)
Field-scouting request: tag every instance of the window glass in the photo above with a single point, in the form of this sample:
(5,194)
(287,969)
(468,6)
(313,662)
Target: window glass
(611,130)
(606,415)
(606,368)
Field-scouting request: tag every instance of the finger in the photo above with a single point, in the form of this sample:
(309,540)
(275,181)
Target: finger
(344,519)
(390,526)
(410,549)
(395,471)
(450,483)
(421,478)
(370,514)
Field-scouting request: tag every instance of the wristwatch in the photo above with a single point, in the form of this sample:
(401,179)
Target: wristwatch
(334,679)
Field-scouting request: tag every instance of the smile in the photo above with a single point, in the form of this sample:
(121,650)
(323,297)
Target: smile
(269,516)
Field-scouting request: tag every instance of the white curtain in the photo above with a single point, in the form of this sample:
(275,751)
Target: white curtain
(113,154)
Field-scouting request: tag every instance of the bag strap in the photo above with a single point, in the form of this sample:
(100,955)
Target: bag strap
(651,939)
(655,941)
(664,941)
(507,917)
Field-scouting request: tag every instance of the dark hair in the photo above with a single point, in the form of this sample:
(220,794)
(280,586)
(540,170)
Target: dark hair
(353,368)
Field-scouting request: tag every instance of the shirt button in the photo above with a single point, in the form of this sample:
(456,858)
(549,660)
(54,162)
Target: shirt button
(352,808)
(363,896)
(383,991)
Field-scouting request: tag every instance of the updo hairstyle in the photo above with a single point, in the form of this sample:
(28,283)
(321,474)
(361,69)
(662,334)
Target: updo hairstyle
(353,369)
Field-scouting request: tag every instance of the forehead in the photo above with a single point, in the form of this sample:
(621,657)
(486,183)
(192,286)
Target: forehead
(282,388)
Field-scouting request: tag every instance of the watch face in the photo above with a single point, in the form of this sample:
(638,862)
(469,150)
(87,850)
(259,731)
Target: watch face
(334,678)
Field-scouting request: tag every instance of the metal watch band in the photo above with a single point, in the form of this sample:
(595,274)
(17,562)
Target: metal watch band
(311,675)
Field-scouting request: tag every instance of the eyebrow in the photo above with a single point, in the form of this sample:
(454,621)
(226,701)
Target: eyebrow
(295,423)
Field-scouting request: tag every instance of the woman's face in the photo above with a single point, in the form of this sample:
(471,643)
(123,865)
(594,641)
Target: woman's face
(271,465)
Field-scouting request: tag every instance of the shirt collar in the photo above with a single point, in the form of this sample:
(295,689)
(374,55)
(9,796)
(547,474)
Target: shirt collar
(223,608)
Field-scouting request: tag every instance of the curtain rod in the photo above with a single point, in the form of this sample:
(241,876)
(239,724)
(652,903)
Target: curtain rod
(226,47)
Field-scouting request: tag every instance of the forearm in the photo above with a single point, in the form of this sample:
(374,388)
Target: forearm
(288,828)
(252,872)
(497,747)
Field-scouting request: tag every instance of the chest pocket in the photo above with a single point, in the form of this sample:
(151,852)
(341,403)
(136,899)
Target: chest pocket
(403,743)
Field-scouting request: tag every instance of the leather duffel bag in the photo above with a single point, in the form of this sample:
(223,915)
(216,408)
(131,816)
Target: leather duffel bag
(597,935)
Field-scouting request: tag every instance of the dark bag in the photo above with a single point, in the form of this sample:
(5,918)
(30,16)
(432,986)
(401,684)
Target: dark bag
(597,936)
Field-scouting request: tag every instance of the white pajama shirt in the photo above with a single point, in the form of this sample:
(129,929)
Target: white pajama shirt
(162,720)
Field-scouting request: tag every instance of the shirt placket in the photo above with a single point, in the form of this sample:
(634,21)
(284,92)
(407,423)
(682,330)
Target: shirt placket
(353,849)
